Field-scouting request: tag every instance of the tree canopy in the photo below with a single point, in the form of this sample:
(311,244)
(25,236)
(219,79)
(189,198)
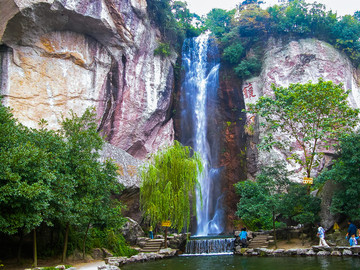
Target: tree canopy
(345,172)
(54,177)
(168,183)
(271,195)
(312,114)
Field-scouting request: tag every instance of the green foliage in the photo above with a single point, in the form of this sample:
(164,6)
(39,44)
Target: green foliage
(26,177)
(218,21)
(273,194)
(50,177)
(345,172)
(248,67)
(314,115)
(168,183)
(163,50)
(261,198)
(299,206)
(233,53)
(174,20)
(240,32)
(111,239)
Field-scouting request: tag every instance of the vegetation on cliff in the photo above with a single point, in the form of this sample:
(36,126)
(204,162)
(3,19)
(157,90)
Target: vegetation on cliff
(345,172)
(53,180)
(315,115)
(274,195)
(243,33)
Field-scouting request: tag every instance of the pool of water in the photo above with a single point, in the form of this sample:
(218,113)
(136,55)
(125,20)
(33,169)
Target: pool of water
(227,262)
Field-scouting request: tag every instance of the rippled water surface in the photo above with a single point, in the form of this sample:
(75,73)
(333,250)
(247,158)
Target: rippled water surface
(228,262)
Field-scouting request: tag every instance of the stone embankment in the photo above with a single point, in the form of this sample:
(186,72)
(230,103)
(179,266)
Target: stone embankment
(115,262)
(313,251)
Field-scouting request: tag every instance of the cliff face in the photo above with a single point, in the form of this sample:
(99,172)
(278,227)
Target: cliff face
(61,55)
(295,62)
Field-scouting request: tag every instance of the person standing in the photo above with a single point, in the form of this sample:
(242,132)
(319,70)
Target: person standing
(151,234)
(243,238)
(351,230)
(321,235)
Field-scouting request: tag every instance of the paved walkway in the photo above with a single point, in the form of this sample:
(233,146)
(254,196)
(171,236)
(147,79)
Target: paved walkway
(89,266)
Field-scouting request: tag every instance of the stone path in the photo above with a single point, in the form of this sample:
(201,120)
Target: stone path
(90,265)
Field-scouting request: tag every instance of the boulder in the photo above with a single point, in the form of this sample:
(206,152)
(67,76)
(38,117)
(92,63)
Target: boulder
(323,253)
(132,231)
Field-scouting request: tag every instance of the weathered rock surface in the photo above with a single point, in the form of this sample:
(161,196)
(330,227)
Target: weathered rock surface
(297,62)
(132,231)
(61,55)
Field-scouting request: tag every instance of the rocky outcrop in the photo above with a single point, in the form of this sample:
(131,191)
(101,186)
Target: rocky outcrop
(132,231)
(62,55)
(296,62)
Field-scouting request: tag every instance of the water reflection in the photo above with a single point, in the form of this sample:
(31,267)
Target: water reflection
(228,262)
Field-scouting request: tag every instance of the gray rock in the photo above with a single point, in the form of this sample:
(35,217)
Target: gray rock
(302,251)
(106,253)
(323,253)
(347,252)
(355,249)
(108,267)
(132,231)
(336,253)
(97,253)
(279,252)
(311,253)
(292,251)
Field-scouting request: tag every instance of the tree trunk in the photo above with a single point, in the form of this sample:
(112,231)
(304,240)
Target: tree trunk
(275,241)
(35,248)
(84,240)
(166,229)
(65,242)
(21,242)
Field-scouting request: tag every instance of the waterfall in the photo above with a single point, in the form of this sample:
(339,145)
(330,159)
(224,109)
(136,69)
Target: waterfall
(198,106)
(210,246)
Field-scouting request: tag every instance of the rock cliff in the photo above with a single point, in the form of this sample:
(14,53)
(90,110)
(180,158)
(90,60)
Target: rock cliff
(296,62)
(61,55)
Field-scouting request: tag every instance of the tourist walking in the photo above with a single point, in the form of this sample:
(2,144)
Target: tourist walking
(321,235)
(351,230)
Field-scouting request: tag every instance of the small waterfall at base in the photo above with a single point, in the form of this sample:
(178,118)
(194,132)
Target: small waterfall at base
(204,246)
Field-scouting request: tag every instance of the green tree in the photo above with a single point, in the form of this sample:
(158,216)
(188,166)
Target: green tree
(91,181)
(168,184)
(218,21)
(314,115)
(25,180)
(260,200)
(345,172)
(273,194)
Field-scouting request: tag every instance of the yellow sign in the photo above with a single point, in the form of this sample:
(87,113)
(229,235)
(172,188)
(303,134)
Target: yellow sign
(308,180)
(166,223)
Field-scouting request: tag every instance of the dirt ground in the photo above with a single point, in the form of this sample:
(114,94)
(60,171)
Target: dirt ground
(293,243)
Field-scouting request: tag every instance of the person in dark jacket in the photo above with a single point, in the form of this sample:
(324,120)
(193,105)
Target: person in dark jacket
(351,230)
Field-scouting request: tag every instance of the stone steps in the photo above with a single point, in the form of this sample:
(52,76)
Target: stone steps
(153,245)
(261,241)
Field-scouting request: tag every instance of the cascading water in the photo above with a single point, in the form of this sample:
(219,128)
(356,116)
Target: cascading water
(198,92)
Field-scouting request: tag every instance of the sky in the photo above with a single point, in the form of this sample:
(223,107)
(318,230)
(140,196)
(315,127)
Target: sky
(202,7)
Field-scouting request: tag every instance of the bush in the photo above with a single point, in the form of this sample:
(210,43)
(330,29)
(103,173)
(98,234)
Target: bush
(163,50)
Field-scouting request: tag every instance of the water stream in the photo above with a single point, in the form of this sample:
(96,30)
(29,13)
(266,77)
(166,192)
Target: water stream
(198,101)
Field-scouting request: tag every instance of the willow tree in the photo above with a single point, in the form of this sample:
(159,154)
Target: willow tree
(314,115)
(169,182)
